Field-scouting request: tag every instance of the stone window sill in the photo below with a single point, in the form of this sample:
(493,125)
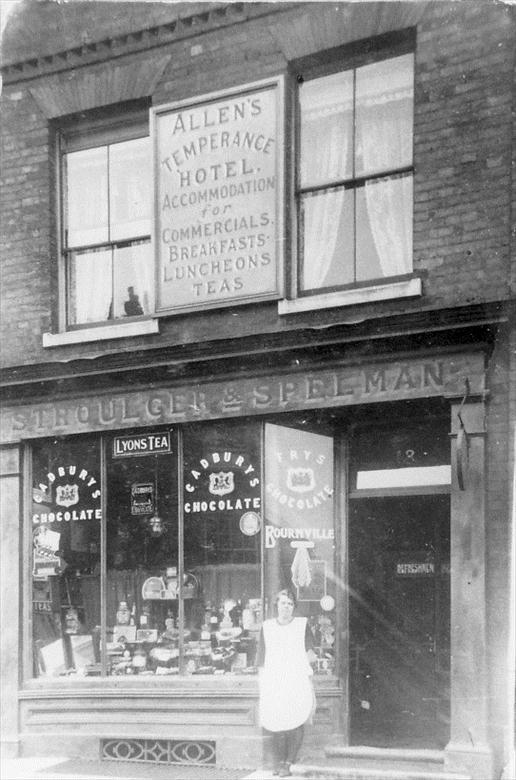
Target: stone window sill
(118,330)
(407,288)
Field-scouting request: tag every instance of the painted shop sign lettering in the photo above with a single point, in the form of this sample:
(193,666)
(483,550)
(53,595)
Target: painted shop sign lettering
(218,220)
(320,388)
(222,482)
(299,507)
(415,569)
(141,444)
(70,493)
(272,534)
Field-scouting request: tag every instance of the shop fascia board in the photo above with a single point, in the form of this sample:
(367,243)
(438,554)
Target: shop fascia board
(478,321)
(437,373)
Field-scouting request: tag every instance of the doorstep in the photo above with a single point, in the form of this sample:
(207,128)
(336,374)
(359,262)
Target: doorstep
(367,763)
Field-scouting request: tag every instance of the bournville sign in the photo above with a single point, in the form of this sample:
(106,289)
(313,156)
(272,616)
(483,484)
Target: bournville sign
(340,385)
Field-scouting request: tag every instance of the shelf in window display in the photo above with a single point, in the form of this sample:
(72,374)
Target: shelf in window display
(157,589)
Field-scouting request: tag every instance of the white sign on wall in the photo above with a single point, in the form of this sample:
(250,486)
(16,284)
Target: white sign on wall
(219,198)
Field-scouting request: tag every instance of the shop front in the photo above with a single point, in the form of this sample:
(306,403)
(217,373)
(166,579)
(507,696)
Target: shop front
(159,524)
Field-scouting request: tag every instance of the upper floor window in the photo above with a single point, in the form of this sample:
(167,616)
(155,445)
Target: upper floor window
(107,206)
(354,180)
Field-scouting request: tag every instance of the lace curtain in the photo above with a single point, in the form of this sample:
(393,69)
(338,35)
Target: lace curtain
(383,101)
(384,142)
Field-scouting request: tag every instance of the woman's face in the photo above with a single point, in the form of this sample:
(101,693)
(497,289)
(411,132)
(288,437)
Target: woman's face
(285,608)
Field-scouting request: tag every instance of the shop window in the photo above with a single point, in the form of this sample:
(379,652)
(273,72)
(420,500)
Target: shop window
(106,207)
(222,547)
(354,177)
(177,576)
(65,566)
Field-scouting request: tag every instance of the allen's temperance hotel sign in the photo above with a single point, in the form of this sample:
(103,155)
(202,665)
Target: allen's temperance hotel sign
(343,385)
(219,171)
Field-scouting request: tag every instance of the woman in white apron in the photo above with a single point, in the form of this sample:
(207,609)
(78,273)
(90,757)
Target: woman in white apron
(285,676)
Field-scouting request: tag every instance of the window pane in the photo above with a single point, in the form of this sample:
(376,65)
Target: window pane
(299,544)
(326,128)
(417,476)
(384,115)
(384,228)
(133,280)
(416,446)
(327,239)
(130,189)
(66,518)
(222,538)
(142,551)
(90,286)
(86,197)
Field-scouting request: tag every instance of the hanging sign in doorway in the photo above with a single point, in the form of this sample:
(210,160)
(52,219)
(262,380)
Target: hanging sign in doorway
(141,444)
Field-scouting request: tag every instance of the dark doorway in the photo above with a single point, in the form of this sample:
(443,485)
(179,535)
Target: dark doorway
(399,579)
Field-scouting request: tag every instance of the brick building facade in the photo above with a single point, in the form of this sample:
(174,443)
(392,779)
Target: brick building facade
(399,373)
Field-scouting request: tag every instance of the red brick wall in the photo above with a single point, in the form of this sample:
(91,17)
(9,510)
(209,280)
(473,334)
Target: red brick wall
(464,93)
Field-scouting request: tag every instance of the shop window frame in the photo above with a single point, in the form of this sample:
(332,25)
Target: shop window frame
(344,58)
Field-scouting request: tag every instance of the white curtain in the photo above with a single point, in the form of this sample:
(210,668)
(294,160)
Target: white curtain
(93,287)
(320,237)
(325,129)
(384,142)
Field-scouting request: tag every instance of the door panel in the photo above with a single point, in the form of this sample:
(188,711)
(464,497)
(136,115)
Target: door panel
(399,620)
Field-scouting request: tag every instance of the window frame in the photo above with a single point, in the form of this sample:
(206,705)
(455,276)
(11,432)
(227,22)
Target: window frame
(90,130)
(342,58)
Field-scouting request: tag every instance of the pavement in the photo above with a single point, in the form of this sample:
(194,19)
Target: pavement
(60,768)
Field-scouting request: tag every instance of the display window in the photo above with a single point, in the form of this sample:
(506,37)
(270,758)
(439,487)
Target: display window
(159,552)
(65,539)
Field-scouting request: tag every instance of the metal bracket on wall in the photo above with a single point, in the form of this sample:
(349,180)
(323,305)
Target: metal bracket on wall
(462,449)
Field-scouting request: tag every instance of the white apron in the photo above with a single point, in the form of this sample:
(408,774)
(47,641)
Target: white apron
(286,691)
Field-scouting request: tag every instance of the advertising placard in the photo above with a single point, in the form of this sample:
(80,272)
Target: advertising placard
(299,494)
(218,185)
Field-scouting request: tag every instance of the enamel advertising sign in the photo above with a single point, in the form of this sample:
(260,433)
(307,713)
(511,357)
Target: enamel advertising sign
(218,172)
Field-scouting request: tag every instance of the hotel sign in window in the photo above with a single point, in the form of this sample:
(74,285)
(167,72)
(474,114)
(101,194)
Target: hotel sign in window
(219,198)
(354,183)
(107,205)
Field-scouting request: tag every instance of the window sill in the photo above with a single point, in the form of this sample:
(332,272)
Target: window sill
(408,288)
(102,333)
